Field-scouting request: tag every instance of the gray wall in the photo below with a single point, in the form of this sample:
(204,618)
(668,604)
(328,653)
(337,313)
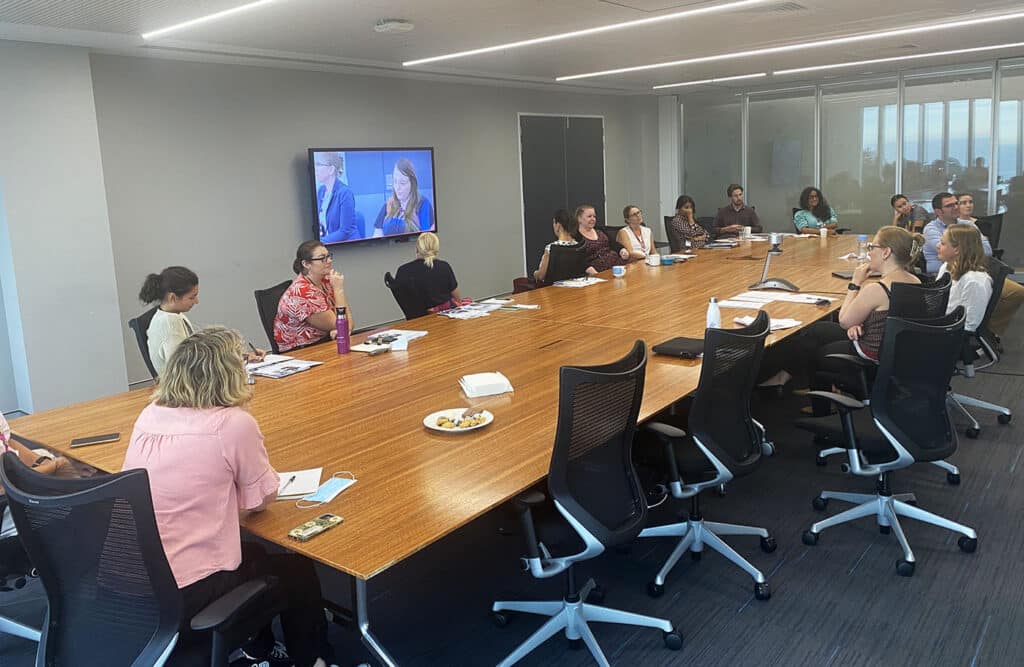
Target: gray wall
(205,166)
(56,263)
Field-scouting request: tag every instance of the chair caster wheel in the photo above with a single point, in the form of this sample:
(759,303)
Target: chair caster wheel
(972,432)
(820,504)
(762,591)
(696,555)
(905,568)
(820,461)
(953,478)
(768,448)
(673,641)
(1004,419)
(721,490)
(768,544)
(596,595)
(967,544)
(500,619)
(885,530)
(810,538)
(576,644)
(655,590)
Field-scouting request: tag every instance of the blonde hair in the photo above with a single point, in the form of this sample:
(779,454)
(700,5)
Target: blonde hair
(966,239)
(205,371)
(905,246)
(427,248)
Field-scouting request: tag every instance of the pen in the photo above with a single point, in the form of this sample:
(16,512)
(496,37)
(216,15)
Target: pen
(251,346)
(285,485)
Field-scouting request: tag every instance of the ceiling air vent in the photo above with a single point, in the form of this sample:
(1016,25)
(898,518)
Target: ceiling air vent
(393,26)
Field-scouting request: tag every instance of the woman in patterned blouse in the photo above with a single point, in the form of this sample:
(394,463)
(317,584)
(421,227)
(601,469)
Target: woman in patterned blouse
(305,313)
(685,224)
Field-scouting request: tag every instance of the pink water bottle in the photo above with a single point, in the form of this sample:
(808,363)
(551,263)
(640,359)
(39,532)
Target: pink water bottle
(341,327)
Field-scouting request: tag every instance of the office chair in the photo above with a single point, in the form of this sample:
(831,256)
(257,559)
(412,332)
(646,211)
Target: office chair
(266,304)
(992,227)
(408,297)
(724,442)
(907,422)
(675,243)
(708,223)
(112,597)
(140,325)
(596,490)
(565,262)
(976,345)
(15,570)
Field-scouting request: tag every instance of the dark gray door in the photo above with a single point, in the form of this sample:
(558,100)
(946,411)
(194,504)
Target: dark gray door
(563,166)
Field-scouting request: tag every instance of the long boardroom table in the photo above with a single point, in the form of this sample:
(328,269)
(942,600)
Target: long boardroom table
(364,414)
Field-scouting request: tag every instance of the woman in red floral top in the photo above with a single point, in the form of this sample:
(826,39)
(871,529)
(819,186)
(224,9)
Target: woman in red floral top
(306,311)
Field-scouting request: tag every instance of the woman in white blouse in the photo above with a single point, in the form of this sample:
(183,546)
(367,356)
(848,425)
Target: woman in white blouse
(963,258)
(177,290)
(635,237)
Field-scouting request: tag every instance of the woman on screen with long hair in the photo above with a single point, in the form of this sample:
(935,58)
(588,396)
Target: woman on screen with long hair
(406,211)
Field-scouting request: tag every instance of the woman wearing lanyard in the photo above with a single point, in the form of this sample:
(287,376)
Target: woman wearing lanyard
(635,237)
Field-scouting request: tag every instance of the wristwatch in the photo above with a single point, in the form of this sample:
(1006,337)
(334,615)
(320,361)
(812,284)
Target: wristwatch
(853,286)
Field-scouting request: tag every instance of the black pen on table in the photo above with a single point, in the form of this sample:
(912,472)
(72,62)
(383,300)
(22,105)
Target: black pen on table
(285,485)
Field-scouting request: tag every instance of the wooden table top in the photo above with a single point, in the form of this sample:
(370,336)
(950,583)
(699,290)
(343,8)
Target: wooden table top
(364,414)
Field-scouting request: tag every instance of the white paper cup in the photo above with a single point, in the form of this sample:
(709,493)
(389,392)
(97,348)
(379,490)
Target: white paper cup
(653,260)
(746,232)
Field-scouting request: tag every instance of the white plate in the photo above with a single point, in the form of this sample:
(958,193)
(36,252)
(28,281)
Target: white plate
(430,421)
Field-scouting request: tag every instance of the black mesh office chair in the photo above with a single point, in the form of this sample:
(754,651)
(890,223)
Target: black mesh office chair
(596,489)
(724,442)
(408,296)
(992,227)
(978,344)
(140,325)
(708,223)
(266,305)
(15,570)
(675,242)
(565,262)
(112,597)
(907,422)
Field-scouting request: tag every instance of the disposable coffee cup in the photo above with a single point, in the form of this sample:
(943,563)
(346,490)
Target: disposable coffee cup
(653,260)
(824,232)
(746,232)
(618,271)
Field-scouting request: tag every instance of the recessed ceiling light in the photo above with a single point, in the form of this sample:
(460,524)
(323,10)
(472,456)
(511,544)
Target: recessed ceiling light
(588,31)
(153,34)
(805,45)
(895,58)
(393,26)
(718,80)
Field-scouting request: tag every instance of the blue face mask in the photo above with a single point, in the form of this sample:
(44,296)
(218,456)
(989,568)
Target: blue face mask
(328,491)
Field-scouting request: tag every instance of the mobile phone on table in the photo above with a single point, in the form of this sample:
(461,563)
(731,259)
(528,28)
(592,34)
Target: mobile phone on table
(314,527)
(95,440)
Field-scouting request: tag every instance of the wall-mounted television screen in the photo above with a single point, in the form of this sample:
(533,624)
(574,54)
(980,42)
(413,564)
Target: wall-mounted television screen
(367,193)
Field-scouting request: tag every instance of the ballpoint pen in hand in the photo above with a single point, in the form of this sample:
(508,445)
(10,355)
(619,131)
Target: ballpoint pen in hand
(285,485)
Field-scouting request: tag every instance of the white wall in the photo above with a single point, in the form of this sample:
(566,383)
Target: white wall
(205,166)
(56,262)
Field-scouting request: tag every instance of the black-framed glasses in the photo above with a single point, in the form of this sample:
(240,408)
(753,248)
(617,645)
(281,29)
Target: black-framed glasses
(872,246)
(635,213)
(322,258)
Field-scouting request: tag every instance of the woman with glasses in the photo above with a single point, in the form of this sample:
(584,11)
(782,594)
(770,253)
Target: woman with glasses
(306,312)
(635,237)
(207,468)
(814,213)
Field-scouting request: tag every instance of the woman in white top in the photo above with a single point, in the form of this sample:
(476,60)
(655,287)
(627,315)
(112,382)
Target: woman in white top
(635,237)
(963,258)
(177,290)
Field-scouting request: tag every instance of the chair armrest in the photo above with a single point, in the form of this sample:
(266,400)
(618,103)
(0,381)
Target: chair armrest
(227,606)
(853,359)
(528,499)
(840,400)
(666,430)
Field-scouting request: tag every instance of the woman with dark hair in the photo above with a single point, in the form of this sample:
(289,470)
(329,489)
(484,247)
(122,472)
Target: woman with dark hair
(565,228)
(685,223)
(814,213)
(306,311)
(406,210)
(600,255)
(176,289)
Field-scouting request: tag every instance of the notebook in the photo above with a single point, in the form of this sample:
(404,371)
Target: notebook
(684,348)
(298,483)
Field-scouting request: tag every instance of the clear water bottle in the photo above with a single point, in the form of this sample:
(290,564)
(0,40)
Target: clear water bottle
(341,330)
(862,247)
(714,320)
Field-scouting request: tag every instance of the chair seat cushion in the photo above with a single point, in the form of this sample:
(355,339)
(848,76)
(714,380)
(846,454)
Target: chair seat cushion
(870,440)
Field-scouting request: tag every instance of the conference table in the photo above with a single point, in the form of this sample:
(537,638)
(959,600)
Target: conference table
(364,414)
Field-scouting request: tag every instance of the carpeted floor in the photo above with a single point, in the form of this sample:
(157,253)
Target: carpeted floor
(839,603)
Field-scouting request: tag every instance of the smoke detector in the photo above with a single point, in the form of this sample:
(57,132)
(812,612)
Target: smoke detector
(393,26)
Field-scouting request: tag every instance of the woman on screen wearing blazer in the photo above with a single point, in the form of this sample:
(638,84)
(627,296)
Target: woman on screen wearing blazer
(635,237)
(306,312)
(406,210)
(207,468)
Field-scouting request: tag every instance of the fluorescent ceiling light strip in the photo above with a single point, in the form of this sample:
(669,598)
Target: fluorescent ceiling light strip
(588,31)
(719,80)
(806,45)
(153,34)
(894,59)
